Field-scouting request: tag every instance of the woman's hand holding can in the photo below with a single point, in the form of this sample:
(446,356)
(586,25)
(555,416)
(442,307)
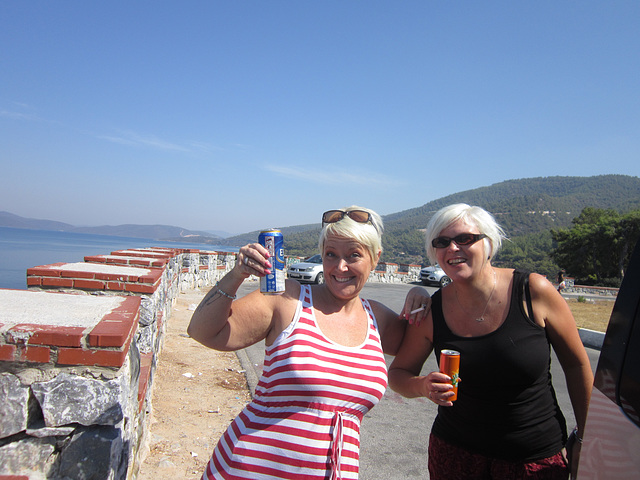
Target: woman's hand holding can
(439,388)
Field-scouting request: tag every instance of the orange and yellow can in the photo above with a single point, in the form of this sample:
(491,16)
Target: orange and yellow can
(450,365)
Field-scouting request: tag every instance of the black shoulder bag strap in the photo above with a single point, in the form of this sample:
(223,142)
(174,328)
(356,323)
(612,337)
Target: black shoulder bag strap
(527,294)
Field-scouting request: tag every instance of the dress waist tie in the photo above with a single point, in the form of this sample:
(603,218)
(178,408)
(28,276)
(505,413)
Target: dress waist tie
(336,446)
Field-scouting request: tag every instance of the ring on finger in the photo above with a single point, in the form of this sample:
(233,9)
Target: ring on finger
(246,260)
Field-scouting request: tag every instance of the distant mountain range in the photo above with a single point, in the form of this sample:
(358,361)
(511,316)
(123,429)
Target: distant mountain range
(523,207)
(156,232)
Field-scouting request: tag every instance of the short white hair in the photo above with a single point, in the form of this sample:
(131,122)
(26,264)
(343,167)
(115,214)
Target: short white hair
(475,216)
(368,234)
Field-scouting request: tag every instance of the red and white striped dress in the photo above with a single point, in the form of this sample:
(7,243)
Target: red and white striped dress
(304,422)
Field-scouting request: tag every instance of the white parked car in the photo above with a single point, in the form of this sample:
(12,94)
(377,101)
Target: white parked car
(434,275)
(308,271)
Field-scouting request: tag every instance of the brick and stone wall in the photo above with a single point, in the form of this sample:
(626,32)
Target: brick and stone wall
(78,352)
(384,272)
(395,273)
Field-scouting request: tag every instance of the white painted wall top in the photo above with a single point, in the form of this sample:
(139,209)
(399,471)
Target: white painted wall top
(49,308)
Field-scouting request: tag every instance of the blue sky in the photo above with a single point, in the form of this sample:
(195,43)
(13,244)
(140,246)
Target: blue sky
(243,115)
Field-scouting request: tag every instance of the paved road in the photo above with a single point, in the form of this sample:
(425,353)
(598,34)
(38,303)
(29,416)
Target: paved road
(395,433)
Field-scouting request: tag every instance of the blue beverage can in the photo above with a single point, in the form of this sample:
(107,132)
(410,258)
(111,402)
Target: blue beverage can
(273,241)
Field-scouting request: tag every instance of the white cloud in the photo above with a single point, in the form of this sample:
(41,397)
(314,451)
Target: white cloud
(17,115)
(334,176)
(134,139)
(205,147)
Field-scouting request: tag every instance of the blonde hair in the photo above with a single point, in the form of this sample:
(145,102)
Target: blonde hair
(476,216)
(368,234)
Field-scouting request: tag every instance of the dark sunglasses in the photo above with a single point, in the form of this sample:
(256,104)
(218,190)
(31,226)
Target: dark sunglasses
(333,216)
(463,239)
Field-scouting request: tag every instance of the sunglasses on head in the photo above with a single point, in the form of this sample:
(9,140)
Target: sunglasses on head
(463,239)
(333,216)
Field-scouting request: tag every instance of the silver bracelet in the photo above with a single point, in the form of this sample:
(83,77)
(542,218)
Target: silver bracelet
(225,294)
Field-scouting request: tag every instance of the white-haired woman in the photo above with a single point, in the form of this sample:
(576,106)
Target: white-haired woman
(324,366)
(506,422)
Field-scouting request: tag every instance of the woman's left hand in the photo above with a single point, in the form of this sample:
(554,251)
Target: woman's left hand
(416,305)
(572,452)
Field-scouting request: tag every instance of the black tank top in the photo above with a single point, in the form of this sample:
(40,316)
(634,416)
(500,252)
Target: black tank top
(506,405)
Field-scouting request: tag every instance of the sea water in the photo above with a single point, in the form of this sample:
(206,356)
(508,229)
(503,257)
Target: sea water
(21,249)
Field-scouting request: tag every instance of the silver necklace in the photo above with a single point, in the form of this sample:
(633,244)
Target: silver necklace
(481,317)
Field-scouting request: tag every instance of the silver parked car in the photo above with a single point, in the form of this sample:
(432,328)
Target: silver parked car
(434,275)
(308,271)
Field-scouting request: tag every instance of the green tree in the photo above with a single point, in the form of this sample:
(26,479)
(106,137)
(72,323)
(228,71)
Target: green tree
(628,235)
(529,252)
(597,247)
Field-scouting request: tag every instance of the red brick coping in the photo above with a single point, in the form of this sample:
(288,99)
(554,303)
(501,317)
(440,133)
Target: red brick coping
(67,329)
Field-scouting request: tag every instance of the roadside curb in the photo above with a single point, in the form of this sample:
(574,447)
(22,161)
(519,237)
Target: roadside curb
(591,338)
(249,370)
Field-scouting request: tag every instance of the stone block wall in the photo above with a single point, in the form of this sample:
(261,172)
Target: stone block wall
(78,352)
(70,383)
(395,273)
(385,272)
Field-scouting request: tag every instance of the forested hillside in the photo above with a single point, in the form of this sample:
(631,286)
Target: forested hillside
(526,208)
(534,204)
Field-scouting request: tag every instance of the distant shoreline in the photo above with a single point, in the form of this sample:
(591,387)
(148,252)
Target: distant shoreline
(23,248)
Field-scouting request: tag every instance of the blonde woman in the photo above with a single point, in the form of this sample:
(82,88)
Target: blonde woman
(324,366)
(506,422)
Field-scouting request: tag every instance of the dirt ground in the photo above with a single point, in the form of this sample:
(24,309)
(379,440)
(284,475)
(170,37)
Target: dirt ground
(198,391)
(593,315)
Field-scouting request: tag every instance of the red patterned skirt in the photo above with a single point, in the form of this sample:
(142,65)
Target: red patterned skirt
(447,462)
